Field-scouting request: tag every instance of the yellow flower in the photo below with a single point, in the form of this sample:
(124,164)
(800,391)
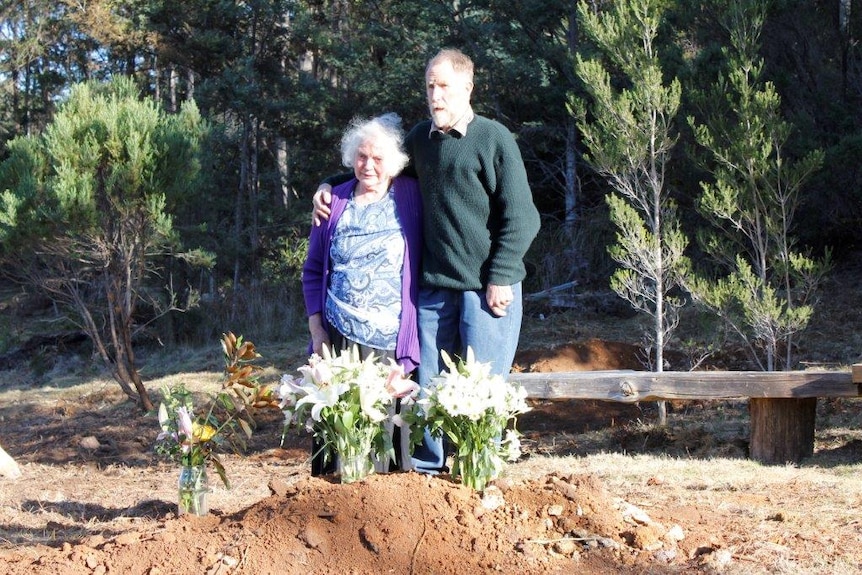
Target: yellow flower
(203,432)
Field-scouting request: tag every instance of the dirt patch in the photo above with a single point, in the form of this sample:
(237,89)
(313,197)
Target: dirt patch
(591,355)
(94,499)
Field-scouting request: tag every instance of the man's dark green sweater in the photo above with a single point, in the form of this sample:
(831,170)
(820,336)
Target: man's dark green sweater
(479,216)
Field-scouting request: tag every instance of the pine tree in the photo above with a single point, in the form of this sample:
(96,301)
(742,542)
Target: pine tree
(766,296)
(629,133)
(85,213)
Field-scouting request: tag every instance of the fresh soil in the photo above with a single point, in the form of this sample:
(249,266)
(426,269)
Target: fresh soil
(600,489)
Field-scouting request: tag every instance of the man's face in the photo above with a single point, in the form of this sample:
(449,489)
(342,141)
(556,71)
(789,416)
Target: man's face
(448,94)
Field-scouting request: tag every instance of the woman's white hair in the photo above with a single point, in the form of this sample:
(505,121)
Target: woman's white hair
(386,133)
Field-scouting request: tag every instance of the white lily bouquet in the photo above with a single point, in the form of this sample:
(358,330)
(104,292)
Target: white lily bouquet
(348,403)
(473,409)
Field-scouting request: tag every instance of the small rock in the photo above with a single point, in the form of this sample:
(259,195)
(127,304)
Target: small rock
(230,561)
(311,537)
(371,538)
(8,467)
(555,510)
(278,487)
(90,442)
(644,537)
(565,547)
(568,490)
(674,534)
(504,484)
(634,514)
(492,498)
(567,523)
(129,538)
(665,555)
(94,541)
(720,559)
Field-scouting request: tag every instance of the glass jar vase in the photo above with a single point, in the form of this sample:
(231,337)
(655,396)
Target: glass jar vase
(193,490)
(354,466)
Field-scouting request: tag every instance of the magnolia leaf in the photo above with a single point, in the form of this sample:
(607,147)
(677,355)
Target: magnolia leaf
(246,428)
(220,470)
(247,352)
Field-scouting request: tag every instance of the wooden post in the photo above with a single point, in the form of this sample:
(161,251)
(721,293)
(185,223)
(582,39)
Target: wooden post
(782,430)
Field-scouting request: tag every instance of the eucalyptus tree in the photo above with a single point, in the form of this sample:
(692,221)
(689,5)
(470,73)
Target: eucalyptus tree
(525,52)
(31,69)
(770,285)
(85,213)
(47,46)
(628,130)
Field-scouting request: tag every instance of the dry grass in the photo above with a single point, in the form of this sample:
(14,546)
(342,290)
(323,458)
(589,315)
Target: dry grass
(761,519)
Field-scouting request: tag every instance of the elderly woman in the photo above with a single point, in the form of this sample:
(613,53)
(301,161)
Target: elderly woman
(360,280)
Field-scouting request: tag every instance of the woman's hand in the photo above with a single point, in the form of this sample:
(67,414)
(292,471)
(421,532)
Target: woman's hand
(319,337)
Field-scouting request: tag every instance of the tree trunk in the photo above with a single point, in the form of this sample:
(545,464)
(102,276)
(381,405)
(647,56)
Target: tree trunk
(172,89)
(572,182)
(190,85)
(844,9)
(782,430)
(283,168)
(120,311)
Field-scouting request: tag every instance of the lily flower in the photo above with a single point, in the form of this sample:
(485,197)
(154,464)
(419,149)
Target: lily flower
(184,422)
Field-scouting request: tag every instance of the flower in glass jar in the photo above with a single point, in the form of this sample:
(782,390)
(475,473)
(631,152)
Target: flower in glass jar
(186,438)
(473,408)
(345,400)
(226,420)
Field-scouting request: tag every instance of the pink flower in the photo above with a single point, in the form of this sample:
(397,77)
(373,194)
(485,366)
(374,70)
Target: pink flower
(185,426)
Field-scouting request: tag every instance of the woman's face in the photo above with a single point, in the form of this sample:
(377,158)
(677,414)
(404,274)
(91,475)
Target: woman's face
(369,166)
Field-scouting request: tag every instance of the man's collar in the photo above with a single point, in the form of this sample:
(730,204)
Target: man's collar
(460,127)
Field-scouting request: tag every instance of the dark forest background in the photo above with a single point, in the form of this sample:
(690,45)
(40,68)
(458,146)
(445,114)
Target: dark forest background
(277,81)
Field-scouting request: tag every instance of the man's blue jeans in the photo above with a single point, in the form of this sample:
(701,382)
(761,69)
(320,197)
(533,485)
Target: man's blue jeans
(452,320)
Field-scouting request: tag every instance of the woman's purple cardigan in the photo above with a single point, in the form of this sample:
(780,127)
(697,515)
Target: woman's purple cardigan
(315,272)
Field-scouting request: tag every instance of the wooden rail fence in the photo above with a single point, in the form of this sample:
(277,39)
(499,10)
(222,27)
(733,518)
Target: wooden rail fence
(782,404)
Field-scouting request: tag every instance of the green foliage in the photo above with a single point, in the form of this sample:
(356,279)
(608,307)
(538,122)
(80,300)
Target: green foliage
(107,158)
(85,210)
(752,200)
(285,265)
(279,80)
(628,130)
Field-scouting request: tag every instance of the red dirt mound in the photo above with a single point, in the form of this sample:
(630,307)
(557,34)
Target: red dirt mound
(395,523)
